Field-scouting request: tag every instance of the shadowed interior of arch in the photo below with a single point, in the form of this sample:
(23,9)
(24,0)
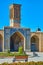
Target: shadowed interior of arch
(34,43)
(16,40)
(1,41)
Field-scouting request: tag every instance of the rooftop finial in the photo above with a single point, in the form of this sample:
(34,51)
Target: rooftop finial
(38,29)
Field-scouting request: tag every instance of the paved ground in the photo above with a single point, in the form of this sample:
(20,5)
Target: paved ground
(38,57)
(9,60)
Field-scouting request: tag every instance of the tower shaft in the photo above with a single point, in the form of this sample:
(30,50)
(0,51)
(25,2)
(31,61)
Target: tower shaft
(15,15)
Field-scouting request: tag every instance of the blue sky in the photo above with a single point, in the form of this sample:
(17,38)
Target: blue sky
(31,13)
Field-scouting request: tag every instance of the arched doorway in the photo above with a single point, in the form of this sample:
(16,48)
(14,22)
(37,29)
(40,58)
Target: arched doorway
(16,40)
(1,42)
(34,43)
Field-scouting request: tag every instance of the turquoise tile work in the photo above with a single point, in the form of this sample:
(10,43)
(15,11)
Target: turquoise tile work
(8,32)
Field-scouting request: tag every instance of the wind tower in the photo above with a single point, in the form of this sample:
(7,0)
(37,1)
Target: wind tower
(15,15)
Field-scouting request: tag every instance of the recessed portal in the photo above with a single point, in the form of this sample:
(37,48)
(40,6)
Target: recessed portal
(34,43)
(16,40)
(1,41)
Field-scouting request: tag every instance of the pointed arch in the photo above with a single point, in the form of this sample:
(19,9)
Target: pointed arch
(16,40)
(1,42)
(34,43)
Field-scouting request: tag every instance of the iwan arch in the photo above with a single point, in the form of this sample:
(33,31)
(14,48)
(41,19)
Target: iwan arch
(13,36)
(17,40)
(37,40)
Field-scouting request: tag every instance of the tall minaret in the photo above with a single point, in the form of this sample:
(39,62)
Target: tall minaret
(15,15)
